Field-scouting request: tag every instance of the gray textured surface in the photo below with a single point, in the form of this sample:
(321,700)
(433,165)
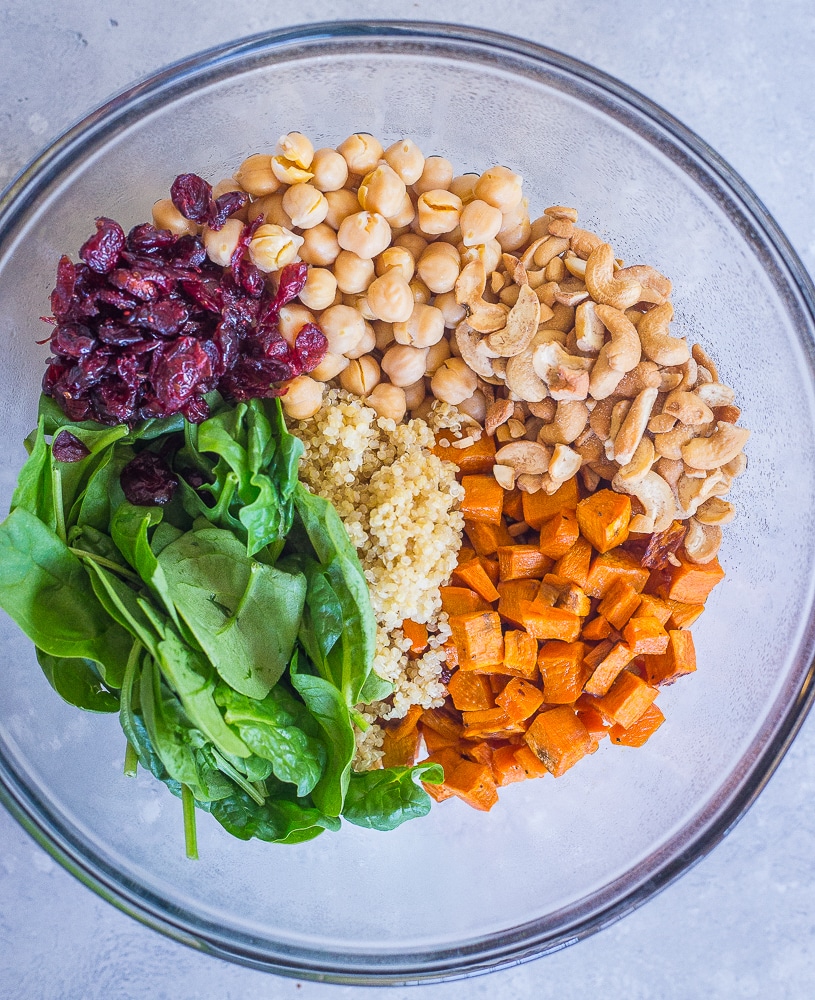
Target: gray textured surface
(742,923)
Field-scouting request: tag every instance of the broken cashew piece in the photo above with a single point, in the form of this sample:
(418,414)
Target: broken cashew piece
(589,330)
(657,499)
(657,342)
(716,511)
(566,375)
(525,457)
(521,326)
(473,350)
(640,465)
(687,407)
(633,427)
(720,448)
(702,541)
(522,379)
(604,286)
(570,419)
(484,317)
(564,464)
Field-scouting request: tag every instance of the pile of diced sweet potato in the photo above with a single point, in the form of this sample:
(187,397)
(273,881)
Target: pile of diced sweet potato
(564,625)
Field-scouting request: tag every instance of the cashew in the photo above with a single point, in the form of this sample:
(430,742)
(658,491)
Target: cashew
(657,343)
(589,331)
(590,478)
(575,265)
(661,423)
(690,374)
(645,375)
(564,463)
(562,318)
(528,256)
(720,448)
(702,541)
(473,350)
(637,469)
(552,246)
(670,444)
(704,360)
(529,483)
(590,447)
(650,279)
(716,511)
(671,471)
(504,476)
(618,356)
(716,394)
(736,466)
(584,242)
(517,429)
(523,381)
(669,380)
(687,407)
(692,493)
(527,457)
(657,499)
(618,414)
(545,409)
(521,326)
(485,317)
(497,413)
(570,419)
(602,284)
(633,427)
(566,375)
(515,269)
(571,295)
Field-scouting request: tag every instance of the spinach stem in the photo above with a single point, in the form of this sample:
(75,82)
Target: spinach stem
(190,831)
(359,720)
(107,563)
(131,760)
(237,777)
(59,512)
(233,618)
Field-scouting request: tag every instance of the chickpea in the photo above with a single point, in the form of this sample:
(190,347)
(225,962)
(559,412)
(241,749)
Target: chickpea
(455,350)
(225,186)
(297,149)
(366,344)
(439,212)
(403,364)
(480,222)
(330,170)
(343,327)
(305,205)
(167,216)
(464,187)
(439,267)
(320,246)
(291,320)
(270,206)
(500,187)
(414,243)
(289,173)
(360,376)
(436,175)
(384,334)
(454,381)
(415,393)
(272,247)
(488,253)
(222,244)
(421,293)
(390,297)
(255,175)
(353,273)
(515,229)
(388,401)
(453,237)
(475,406)
(406,159)
(423,328)
(383,191)
(450,309)
(361,152)
(341,204)
(398,259)
(437,354)
(320,288)
(330,367)
(366,234)
(360,303)
(405,216)
(303,398)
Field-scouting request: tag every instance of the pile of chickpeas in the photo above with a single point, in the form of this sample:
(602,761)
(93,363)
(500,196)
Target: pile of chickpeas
(386,233)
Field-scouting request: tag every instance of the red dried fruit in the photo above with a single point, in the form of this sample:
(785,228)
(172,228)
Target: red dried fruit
(662,544)
(147,480)
(192,196)
(102,251)
(68,448)
(228,204)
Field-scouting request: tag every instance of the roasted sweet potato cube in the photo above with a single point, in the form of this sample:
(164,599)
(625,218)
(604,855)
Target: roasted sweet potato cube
(608,669)
(435,741)
(619,603)
(470,691)
(478,638)
(407,724)
(479,457)
(481,752)
(558,534)
(562,671)
(483,499)
(690,583)
(532,765)
(550,623)
(596,629)
(520,654)
(598,653)
(682,615)
(603,518)
(488,724)
(505,766)
(627,699)
(637,734)
(512,593)
(593,721)
(608,567)
(449,759)
(574,565)
(574,598)
(514,505)
(645,635)
(486,537)
(400,752)
(522,562)
(473,575)
(520,699)
(654,607)
(442,722)
(678,659)
(417,633)
(559,739)
(491,569)
(462,601)
(539,507)
(474,784)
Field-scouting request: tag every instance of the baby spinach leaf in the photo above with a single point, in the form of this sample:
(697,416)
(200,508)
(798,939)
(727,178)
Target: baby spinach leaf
(279,821)
(384,799)
(130,717)
(375,688)
(34,490)
(77,682)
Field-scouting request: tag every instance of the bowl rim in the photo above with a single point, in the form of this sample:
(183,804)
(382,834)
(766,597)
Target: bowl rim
(531,940)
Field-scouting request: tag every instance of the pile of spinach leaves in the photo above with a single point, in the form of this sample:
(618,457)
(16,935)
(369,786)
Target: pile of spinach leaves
(231,628)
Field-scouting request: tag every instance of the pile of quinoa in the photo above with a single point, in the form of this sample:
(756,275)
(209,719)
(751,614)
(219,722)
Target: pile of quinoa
(400,506)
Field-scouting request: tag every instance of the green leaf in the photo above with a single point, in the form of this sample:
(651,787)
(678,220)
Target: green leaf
(279,821)
(384,799)
(78,682)
(34,490)
(130,718)
(375,688)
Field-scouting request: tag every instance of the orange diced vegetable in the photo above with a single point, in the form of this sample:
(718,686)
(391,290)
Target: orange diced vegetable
(608,669)
(435,741)
(474,784)
(449,760)
(596,655)
(480,752)
(619,603)
(520,699)
(645,635)
(470,691)
(497,682)
(522,562)
(539,507)
(441,722)
(597,628)
(483,499)
(654,607)
(407,724)
(418,637)
(550,623)
(574,598)
(647,724)
(478,638)
(691,583)
(608,567)
(513,505)
(461,601)
(485,722)
(559,739)
(627,699)
(559,533)
(491,569)
(562,670)
(574,565)
(682,615)
(477,458)
(678,659)
(532,765)
(400,752)
(521,654)
(512,593)
(593,721)
(505,766)
(603,518)
(473,575)
(487,537)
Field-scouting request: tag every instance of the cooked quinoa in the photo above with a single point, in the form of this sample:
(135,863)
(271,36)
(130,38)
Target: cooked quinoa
(399,503)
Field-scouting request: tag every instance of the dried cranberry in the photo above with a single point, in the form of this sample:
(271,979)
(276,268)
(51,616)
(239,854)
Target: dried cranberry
(102,251)
(147,480)
(72,340)
(192,196)
(165,317)
(147,239)
(68,448)
(62,295)
(310,346)
(226,205)
(177,369)
(188,252)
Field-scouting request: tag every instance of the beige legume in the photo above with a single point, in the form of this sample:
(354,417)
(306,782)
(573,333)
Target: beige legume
(366,344)
(403,364)
(415,393)
(353,273)
(366,234)
(305,205)
(451,311)
(291,319)
(221,245)
(272,247)
(500,187)
(296,148)
(390,297)
(382,191)
(453,381)
(479,223)
(396,258)
(405,216)
(439,267)
(436,175)
(319,290)
(320,246)
(414,243)
(388,401)
(330,366)
(361,152)
(167,216)
(406,159)
(437,354)
(423,328)
(330,170)
(383,333)
(343,327)
(255,175)
(438,211)
(361,375)
(303,398)
(464,187)
(475,406)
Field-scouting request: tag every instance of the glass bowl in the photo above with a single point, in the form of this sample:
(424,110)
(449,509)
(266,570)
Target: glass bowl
(458,892)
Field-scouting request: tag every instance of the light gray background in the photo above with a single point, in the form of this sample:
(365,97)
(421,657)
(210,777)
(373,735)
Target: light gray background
(742,75)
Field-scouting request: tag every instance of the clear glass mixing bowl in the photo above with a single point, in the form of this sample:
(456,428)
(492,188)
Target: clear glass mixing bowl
(459,891)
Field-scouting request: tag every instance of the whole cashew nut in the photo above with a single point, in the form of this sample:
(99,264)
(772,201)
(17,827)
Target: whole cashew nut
(618,356)
(702,541)
(720,448)
(602,284)
(656,497)
(485,317)
(657,342)
(570,419)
